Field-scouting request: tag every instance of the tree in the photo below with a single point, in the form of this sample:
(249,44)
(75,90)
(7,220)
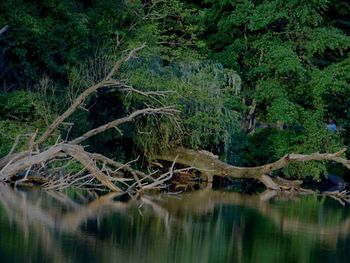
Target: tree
(285,52)
(287,55)
(42,158)
(49,37)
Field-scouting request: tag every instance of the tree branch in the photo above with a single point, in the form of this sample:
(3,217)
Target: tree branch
(206,162)
(115,123)
(4,29)
(106,82)
(72,150)
(123,60)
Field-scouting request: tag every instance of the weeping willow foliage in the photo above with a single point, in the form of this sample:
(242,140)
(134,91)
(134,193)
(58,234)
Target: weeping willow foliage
(207,96)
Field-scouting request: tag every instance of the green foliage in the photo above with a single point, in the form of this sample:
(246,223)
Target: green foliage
(207,96)
(48,37)
(292,58)
(21,106)
(269,144)
(9,131)
(20,115)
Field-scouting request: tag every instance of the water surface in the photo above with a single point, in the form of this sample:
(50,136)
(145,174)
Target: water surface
(202,226)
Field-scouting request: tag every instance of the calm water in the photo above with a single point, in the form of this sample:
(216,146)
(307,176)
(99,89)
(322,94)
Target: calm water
(204,226)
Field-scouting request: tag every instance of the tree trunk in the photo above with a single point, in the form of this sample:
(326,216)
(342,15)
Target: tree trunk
(209,165)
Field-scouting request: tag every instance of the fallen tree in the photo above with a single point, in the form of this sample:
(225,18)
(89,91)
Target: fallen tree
(209,165)
(35,163)
(38,156)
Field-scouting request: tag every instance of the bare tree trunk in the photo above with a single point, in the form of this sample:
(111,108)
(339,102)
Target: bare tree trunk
(210,165)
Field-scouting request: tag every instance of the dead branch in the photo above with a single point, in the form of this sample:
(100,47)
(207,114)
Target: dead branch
(269,183)
(14,145)
(105,82)
(23,164)
(115,123)
(210,165)
(4,29)
(116,165)
(74,151)
(80,155)
(14,163)
(123,60)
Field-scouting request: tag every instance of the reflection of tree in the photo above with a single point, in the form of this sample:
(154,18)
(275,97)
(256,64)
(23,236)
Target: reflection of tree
(309,227)
(261,203)
(30,218)
(196,226)
(47,226)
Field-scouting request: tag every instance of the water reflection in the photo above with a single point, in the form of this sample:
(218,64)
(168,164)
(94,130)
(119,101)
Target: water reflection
(203,226)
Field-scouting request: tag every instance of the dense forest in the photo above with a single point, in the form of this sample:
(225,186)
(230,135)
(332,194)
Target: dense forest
(244,81)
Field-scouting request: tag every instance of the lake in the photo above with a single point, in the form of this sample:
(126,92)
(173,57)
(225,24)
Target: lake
(202,226)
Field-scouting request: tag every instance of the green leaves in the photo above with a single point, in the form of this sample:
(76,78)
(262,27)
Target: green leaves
(18,105)
(266,14)
(21,113)
(50,36)
(320,40)
(283,111)
(207,95)
(293,58)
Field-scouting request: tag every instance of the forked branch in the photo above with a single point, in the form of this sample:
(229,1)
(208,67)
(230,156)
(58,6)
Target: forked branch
(104,83)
